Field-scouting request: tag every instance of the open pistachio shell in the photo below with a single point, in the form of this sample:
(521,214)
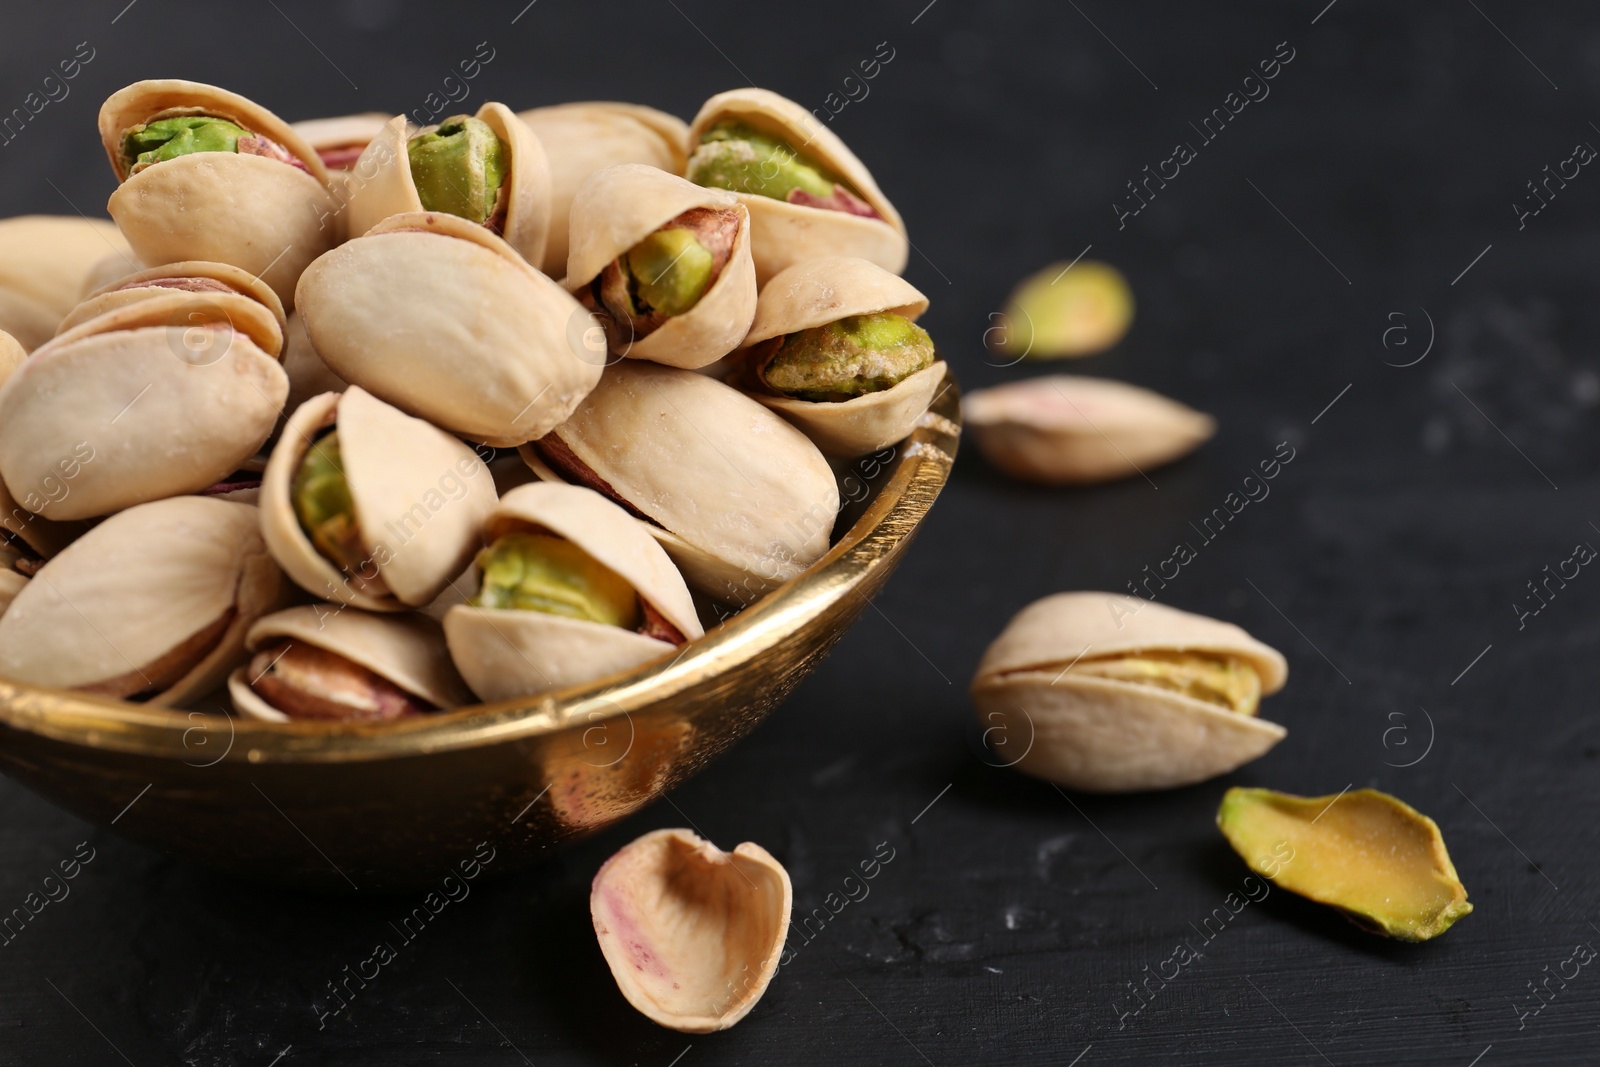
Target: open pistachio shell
(418,496)
(266,216)
(621,206)
(308,375)
(692,934)
(814,293)
(339,142)
(506,653)
(1373,857)
(152,604)
(443,319)
(380,184)
(741,500)
(783,233)
(581,138)
(43,262)
(408,651)
(1043,682)
(195,277)
(152,399)
(1069,430)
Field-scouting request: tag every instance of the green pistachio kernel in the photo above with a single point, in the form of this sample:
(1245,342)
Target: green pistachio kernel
(322,503)
(671,270)
(458,168)
(844,359)
(539,572)
(742,159)
(165,139)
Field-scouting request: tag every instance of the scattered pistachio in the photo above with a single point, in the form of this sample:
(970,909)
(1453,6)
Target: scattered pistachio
(306,682)
(459,168)
(1065,310)
(538,572)
(848,357)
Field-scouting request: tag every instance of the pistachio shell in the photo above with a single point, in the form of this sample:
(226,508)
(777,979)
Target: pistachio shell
(407,650)
(148,281)
(259,214)
(1068,430)
(783,233)
(308,375)
(380,184)
(342,131)
(11,356)
(44,537)
(419,496)
(138,586)
(740,499)
(140,405)
(11,583)
(581,138)
(692,934)
(867,423)
(43,262)
(1107,736)
(109,268)
(382,310)
(621,206)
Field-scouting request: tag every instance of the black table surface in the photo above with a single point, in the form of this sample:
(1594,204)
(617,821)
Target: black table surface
(1345,269)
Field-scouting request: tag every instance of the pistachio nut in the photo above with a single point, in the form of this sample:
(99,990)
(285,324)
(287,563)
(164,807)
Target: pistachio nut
(339,142)
(43,262)
(741,500)
(488,168)
(571,588)
(443,319)
(692,934)
(1371,856)
(1066,309)
(1069,430)
(664,263)
(1108,693)
(364,505)
(150,605)
(208,175)
(808,194)
(163,396)
(584,137)
(198,278)
(311,663)
(835,349)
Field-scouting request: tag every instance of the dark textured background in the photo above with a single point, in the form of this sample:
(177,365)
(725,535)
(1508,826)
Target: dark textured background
(1012,916)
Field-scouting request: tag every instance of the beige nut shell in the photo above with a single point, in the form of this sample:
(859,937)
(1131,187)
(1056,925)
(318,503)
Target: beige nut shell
(308,375)
(341,130)
(402,473)
(146,282)
(43,262)
(159,408)
(380,184)
(692,934)
(621,206)
(450,324)
(782,233)
(581,138)
(406,650)
(1106,736)
(135,587)
(1065,429)
(504,653)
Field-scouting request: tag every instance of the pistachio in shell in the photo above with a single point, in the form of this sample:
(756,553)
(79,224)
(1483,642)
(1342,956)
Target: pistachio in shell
(692,934)
(664,263)
(444,320)
(198,278)
(309,663)
(807,193)
(1367,854)
(1112,694)
(1070,430)
(570,588)
(151,605)
(366,505)
(44,260)
(1065,310)
(206,174)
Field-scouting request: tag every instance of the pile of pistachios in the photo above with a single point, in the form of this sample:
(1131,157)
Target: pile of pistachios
(352,420)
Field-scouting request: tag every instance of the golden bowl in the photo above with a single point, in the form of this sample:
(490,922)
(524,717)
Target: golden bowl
(373,808)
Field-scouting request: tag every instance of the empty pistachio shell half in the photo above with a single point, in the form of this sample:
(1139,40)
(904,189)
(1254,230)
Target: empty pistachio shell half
(808,194)
(198,278)
(442,319)
(571,588)
(1373,857)
(363,504)
(834,349)
(1065,310)
(315,663)
(740,499)
(150,605)
(163,396)
(665,263)
(43,263)
(692,934)
(1113,694)
(1067,430)
(581,138)
(208,175)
